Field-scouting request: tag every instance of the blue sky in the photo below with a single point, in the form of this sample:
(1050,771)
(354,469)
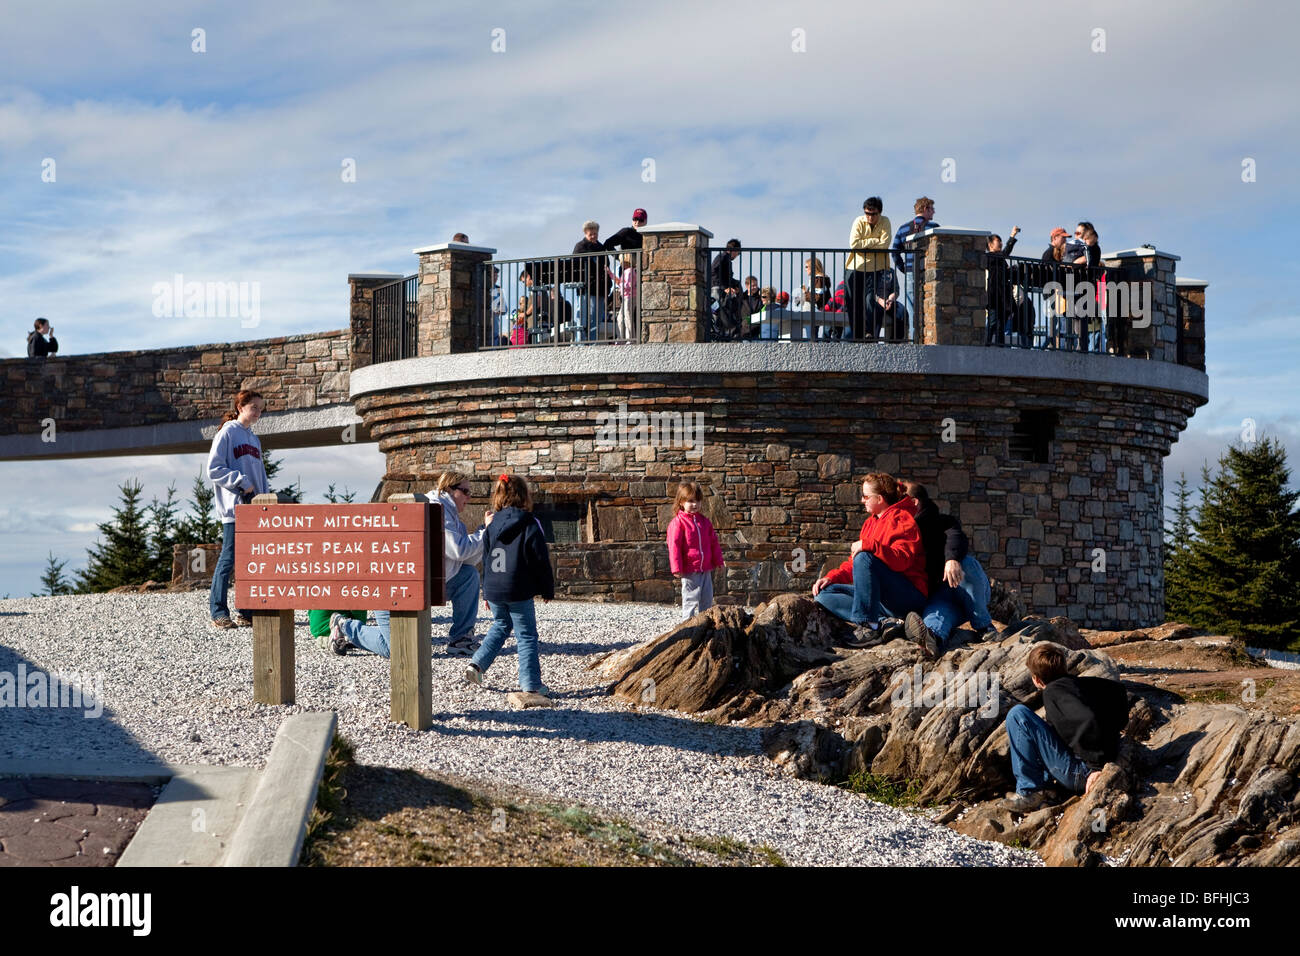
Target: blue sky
(225,165)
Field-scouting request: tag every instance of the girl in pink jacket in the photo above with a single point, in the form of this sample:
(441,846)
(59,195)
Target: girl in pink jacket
(693,549)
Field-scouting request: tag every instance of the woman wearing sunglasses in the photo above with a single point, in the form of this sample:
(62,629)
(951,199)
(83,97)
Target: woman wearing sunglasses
(461,551)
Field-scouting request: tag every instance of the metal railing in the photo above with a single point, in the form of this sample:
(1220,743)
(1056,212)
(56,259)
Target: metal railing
(1046,305)
(865,295)
(588,298)
(394,321)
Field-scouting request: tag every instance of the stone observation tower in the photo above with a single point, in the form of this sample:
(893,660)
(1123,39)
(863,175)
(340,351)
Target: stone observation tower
(1052,459)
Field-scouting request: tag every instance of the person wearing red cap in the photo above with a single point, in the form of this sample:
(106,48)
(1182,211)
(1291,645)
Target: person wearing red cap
(628,237)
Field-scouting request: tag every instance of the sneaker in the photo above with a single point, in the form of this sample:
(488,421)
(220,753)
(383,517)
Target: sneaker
(334,641)
(986,634)
(922,636)
(891,629)
(224,623)
(1024,802)
(473,675)
(462,647)
(242,621)
(864,635)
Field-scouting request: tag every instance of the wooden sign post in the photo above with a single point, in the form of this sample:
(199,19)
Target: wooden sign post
(342,557)
(410,671)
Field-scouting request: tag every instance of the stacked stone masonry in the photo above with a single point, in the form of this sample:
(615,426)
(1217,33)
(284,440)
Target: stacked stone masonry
(783,489)
(157,386)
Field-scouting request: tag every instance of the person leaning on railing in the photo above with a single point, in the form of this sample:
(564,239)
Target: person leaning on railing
(593,272)
(1053,306)
(870,231)
(726,292)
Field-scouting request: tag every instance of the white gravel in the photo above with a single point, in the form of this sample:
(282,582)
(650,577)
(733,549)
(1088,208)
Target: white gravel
(177,690)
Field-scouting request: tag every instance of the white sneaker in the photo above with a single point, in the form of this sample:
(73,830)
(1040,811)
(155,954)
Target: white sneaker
(473,675)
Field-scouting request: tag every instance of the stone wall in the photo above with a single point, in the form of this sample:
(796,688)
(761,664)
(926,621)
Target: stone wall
(782,457)
(156,386)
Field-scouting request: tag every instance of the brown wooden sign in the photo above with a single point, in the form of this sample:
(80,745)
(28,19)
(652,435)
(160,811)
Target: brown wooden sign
(339,557)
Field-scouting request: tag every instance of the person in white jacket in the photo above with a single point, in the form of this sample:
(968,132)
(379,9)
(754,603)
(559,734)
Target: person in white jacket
(462,550)
(237,473)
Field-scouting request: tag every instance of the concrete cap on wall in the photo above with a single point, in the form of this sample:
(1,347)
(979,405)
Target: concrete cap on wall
(1195,283)
(459,246)
(1141,253)
(675,227)
(374,275)
(947,231)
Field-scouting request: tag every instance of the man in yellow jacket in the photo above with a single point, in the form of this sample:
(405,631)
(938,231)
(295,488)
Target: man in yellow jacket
(871,230)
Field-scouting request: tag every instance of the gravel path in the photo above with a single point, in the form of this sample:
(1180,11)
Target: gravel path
(177,690)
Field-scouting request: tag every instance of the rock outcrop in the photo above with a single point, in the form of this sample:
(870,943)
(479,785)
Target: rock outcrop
(1201,778)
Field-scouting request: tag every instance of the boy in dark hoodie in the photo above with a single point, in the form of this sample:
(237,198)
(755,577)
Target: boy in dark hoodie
(1085,717)
(516,568)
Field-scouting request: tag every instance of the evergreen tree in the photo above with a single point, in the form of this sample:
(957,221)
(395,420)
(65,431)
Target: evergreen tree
(272,466)
(1178,539)
(1243,560)
(123,554)
(200,526)
(346,496)
(163,534)
(53,580)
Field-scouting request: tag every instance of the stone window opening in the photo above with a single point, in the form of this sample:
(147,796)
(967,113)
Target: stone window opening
(1032,436)
(562,521)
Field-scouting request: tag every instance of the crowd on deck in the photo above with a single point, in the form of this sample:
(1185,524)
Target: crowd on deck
(866,293)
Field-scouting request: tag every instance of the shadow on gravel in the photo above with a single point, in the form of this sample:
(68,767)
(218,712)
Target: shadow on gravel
(60,716)
(584,649)
(14,613)
(643,728)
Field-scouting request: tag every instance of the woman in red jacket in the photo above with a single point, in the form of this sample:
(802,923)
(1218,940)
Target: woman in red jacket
(884,578)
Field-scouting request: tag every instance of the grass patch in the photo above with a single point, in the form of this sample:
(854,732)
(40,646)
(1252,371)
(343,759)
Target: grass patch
(330,793)
(721,847)
(390,817)
(1215,695)
(773,858)
(881,789)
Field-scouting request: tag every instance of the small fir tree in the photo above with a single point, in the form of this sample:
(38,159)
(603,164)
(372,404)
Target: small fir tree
(1243,560)
(53,581)
(123,554)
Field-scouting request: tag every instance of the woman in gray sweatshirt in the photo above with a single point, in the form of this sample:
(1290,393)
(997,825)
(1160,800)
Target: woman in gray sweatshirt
(236,471)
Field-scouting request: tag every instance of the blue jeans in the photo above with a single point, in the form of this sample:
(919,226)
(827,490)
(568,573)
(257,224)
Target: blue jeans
(591,316)
(520,617)
(877,591)
(222,573)
(372,639)
(1038,754)
(951,607)
(462,591)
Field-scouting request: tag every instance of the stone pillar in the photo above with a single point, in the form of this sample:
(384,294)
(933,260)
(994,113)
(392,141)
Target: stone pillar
(953,298)
(1155,336)
(449,297)
(1191,322)
(362,284)
(675,283)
